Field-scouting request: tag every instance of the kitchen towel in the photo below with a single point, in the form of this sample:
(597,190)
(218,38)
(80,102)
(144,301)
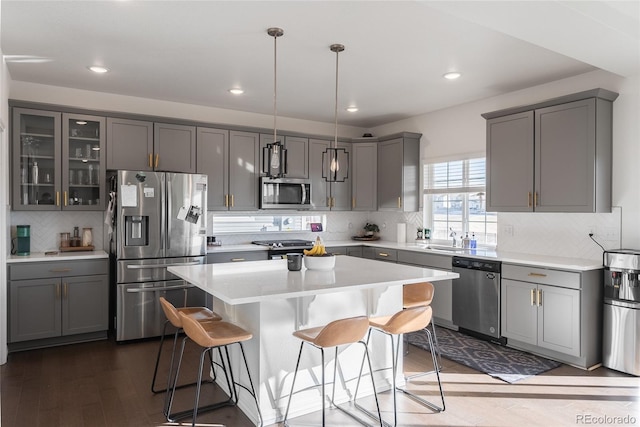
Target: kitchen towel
(402,232)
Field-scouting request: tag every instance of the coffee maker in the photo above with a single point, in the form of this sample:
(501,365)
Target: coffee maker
(21,244)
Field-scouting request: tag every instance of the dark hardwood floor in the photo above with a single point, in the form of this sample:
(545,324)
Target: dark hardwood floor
(106,384)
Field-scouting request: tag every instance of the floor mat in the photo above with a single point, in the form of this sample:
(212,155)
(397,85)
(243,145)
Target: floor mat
(498,361)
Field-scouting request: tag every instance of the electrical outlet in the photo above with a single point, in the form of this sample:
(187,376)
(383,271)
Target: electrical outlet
(610,233)
(508,230)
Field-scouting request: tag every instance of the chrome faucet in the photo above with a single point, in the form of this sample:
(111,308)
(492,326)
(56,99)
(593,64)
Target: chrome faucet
(453,235)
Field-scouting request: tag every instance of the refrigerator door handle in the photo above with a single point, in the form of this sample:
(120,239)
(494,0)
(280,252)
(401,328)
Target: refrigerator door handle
(143,266)
(163,213)
(169,205)
(165,288)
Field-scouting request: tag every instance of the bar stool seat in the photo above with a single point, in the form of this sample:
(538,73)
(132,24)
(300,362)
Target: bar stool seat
(201,314)
(339,332)
(416,295)
(405,321)
(209,336)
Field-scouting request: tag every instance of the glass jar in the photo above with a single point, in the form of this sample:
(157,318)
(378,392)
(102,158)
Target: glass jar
(65,240)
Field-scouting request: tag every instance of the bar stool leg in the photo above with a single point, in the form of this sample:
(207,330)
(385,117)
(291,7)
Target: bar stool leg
(293,383)
(155,370)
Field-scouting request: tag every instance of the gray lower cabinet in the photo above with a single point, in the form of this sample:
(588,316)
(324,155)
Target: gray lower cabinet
(237,256)
(355,251)
(328,195)
(297,157)
(56,302)
(551,157)
(399,173)
(552,312)
(364,172)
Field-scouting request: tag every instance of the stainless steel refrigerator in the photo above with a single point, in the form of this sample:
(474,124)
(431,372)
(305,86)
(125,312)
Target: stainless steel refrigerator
(160,221)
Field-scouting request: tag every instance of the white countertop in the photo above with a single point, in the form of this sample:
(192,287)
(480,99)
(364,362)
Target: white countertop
(257,281)
(60,256)
(545,261)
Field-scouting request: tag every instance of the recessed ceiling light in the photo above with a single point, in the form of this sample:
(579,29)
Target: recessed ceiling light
(452,75)
(236,91)
(98,69)
(352,109)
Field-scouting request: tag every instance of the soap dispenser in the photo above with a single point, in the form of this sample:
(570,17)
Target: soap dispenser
(466,241)
(474,242)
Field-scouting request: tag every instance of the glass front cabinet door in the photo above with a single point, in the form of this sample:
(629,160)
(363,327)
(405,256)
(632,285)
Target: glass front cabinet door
(58,161)
(83,162)
(36,160)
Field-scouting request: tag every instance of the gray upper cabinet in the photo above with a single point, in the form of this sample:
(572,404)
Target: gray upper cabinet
(174,148)
(230,159)
(328,195)
(297,159)
(244,170)
(129,144)
(554,157)
(510,163)
(213,160)
(364,171)
(399,173)
(147,146)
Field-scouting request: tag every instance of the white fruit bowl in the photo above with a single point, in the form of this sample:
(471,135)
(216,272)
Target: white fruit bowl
(325,262)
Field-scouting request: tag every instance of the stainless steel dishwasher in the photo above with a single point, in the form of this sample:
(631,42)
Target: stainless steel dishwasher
(476,297)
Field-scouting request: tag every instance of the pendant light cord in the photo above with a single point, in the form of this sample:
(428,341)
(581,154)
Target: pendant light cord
(335,143)
(275,85)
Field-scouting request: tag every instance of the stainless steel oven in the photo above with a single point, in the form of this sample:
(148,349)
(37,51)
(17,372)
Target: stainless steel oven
(278,249)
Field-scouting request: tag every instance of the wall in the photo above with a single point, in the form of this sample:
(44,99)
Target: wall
(461,130)
(4,203)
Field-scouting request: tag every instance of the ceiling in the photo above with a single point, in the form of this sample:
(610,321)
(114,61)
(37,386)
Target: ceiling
(395,51)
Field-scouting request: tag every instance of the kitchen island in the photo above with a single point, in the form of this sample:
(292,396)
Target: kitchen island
(272,302)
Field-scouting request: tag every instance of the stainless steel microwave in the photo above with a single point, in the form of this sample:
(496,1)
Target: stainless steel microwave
(285,193)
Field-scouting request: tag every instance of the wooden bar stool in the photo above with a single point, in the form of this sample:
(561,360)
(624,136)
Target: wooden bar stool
(209,336)
(405,321)
(201,314)
(339,332)
(415,295)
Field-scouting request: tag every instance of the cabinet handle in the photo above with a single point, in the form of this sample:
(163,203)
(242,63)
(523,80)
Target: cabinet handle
(232,200)
(533,297)
(537,275)
(535,199)
(66,198)
(150,160)
(529,199)
(58,291)
(353,203)
(226,200)
(382,254)
(539,298)
(157,160)
(399,202)
(237,259)
(60,270)
(65,291)
(57,198)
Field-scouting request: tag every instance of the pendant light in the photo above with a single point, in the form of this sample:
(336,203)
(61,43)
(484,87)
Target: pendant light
(334,156)
(274,154)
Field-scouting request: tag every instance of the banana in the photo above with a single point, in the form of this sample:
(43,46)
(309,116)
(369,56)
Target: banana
(317,250)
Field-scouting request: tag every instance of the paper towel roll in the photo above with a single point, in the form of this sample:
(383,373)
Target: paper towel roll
(402,232)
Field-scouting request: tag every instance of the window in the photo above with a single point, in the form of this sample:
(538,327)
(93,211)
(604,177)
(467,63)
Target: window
(265,223)
(454,200)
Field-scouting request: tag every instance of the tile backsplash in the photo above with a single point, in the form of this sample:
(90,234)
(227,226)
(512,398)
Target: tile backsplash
(556,234)
(47,226)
